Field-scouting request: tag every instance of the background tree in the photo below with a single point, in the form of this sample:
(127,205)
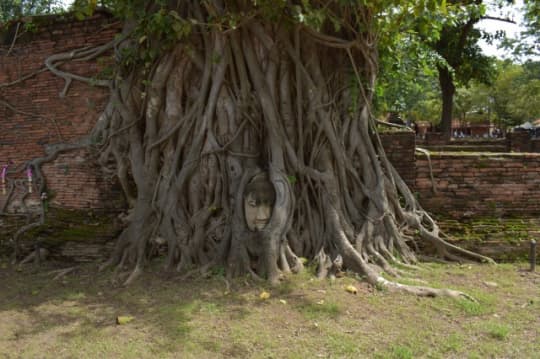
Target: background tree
(474,102)
(516,93)
(407,80)
(453,53)
(464,60)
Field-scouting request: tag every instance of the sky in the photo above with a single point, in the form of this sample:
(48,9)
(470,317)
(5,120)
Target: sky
(512,30)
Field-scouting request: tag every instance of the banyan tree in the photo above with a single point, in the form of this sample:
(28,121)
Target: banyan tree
(242,134)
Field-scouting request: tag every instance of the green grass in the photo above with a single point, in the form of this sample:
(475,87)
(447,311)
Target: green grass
(473,308)
(402,352)
(320,310)
(453,344)
(303,318)
(497,331)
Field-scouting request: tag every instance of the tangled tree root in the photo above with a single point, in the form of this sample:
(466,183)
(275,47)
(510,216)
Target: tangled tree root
(188,133)
(277,102)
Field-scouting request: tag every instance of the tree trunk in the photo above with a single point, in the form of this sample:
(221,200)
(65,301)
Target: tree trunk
(249,146)
(448,90)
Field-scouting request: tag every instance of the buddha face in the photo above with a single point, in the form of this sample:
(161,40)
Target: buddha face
(259,198)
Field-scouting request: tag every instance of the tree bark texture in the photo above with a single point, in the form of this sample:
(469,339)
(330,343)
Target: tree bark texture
(448,90)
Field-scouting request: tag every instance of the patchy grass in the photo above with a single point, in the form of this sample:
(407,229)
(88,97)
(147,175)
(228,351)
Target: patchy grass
(402,352)
(498,331)
(75,317)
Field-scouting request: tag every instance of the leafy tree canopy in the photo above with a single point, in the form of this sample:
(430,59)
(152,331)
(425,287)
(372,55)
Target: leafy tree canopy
(516,93)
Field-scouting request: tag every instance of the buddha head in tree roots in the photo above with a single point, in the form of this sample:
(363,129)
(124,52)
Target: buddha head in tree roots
(259,199)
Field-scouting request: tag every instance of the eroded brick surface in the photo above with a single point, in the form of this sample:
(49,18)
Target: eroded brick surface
(33,115)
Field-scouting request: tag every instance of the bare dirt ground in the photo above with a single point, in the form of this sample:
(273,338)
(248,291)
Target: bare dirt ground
(75,316)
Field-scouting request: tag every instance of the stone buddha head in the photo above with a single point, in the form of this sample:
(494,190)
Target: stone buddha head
(259,199)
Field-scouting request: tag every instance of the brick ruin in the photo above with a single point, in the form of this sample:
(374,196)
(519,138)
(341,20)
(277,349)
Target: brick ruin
(468,184)
(33,115)
(480,184)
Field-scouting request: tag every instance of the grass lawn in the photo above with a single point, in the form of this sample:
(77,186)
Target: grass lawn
(75,317)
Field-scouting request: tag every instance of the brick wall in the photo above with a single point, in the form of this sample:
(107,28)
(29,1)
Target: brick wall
(485,184)
(32,114)
(519,141)
(399,148)
(76,181)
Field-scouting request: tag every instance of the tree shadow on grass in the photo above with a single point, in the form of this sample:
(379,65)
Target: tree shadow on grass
(86,302)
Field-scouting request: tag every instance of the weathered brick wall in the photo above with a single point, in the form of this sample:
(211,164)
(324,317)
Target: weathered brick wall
(519,141)
(535,145)
(480,184)
(76,181)
(399,148)
(32,114)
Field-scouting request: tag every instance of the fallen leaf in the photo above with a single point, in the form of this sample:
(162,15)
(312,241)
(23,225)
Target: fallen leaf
(351,289)
(283,301)
(124,319)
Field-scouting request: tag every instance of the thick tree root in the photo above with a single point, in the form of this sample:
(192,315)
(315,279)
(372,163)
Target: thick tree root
(422,291)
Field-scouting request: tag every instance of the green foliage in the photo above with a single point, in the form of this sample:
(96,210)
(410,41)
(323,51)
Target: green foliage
(409,87)
(441,41)
(516,93)
(473,103)
(159,25)
(458,44)
(15,9)
(433,41)
(83,9)
(292,179)
(510,100)
(407,82)
(527,43)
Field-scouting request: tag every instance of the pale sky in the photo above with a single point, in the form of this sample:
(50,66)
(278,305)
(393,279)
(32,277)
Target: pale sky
(512,30)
